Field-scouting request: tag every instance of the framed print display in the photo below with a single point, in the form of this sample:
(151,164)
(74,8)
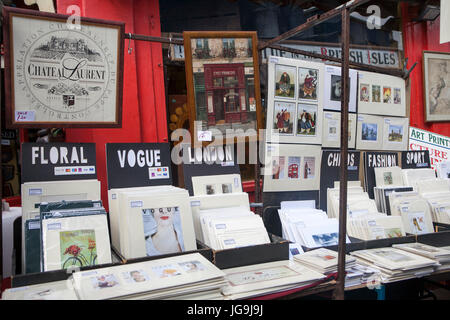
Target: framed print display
(222,75)
(331,136)
(62,77)
(333,89)
(369,132)
(294,112)
(436,67)
(291,167)
(381,94)
(395,134)
(157,224)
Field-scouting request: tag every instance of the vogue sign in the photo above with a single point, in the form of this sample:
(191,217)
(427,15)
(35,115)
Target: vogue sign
(63,75)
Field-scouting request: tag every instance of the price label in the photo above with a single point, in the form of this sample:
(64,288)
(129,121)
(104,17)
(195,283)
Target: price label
(25,116)
(204,135)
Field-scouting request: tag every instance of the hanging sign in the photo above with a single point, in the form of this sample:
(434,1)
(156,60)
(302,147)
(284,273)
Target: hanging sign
(59,74)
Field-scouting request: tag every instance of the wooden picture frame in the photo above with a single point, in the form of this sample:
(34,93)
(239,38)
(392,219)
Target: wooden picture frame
(226,59)
(436,68)
(56,76)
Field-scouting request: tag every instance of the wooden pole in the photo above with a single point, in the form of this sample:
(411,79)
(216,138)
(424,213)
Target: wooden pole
(339,292)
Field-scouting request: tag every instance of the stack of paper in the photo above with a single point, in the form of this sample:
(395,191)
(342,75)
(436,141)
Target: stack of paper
(382,197)
(233,227)
(414,211)
(73,234)
(323,260)
(266,278)
(437,192)
(152,221)
(441,255)
(218,202)
(189,276)
(303,224)
(357,200)
(375,226)
(413,177)
(34,193)
(58,290)
(395,264)
(359,274)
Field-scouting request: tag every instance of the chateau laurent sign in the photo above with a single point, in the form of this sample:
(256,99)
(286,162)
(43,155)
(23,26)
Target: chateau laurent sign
(60,76)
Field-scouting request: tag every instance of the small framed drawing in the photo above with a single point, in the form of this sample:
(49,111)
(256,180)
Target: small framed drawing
(222,78)
(436,68)
(333,89)
(369,132)
(291,167)
(395,134)
(294,112)
(56,76)
(216,184)
(332,130)
(381,94)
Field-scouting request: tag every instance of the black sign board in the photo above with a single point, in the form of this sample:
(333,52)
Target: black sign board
(330,171)
(416,159)
(138,164)
(208,161)
(374,160)
(58,161)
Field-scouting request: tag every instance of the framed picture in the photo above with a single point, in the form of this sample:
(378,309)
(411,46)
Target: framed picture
(291,167)
(294,104)
(381,94)
(222,75)
(332,130)
(436,67)
(395,134)
(56,76)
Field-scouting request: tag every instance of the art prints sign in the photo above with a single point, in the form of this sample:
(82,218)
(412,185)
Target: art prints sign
(59,76)
(437,145)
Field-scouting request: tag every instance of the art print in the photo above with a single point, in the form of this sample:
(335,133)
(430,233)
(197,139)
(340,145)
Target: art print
(104,281)
(285,81)
(397,96)
(284,117)
(326,239)
(436,68)
(78,248)
(369,132)
(376,93)
(306,120)
(192,266)
(166,271)
(364,92)
(395,133)
(308,83)
(387,95)
(135,276)
(309,168)
(336,88)
(294,167)
(162,230)
(278,168)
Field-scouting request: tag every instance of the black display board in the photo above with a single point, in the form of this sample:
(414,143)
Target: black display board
(58,161)
(416,159)
(206,162)
(373,160)
(330,171)
(138,164)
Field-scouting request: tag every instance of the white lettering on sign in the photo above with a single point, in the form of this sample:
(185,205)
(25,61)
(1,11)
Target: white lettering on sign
(149,158)
(58,155)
